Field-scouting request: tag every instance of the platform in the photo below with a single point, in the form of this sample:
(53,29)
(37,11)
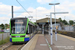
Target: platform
(38,42)
(63,42)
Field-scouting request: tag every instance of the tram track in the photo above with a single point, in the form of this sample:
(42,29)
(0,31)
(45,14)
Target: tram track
(14,47)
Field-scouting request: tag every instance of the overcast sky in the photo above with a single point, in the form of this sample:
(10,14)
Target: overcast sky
(39,9)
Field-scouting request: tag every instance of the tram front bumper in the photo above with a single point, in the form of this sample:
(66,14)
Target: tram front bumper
(19,39)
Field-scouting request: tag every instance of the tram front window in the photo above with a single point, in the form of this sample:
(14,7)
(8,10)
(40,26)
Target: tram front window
(18,26)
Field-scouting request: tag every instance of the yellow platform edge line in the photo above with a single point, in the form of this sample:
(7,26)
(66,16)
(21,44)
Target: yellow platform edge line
(73,39)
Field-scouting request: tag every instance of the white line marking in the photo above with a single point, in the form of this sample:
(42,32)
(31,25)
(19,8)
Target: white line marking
(43,44)
(48,44)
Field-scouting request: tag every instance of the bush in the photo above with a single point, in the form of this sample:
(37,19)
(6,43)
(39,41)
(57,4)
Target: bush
(60,32)
(4,41)
(1,32)
(65,32)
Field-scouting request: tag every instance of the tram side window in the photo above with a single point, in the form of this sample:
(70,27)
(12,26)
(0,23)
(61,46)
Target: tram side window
(30,29)
(33,29)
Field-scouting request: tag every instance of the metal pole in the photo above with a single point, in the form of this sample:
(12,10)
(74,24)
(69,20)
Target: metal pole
(51,27)
(48,26)
(55,24)
(42,28)
(2,38)
(69,26)
(12,11)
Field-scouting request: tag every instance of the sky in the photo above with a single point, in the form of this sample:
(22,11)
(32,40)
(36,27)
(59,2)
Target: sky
(36,8)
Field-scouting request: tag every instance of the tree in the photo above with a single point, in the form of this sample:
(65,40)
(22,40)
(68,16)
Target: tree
(2,26)
(65,22)
(71,22)
(60,19)
(6,26)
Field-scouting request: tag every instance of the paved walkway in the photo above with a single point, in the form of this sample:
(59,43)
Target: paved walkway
(63,42)
(38,42)
(41,43)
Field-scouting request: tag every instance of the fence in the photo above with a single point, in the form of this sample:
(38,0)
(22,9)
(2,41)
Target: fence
(4,36)
(67,28)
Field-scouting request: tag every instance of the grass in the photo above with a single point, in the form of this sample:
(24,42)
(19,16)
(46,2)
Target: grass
(4,41)
(1,32)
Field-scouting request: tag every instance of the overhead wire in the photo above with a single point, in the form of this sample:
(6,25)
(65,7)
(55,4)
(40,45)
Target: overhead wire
(23,7)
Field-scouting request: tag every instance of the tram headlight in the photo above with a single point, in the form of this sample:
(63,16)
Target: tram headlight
(26,35)
(10,35)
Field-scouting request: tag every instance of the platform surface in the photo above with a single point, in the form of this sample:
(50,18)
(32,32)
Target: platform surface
(38,42)
(41,43)
(63,42)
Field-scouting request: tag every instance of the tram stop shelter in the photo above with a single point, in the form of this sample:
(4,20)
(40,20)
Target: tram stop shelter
(44,24)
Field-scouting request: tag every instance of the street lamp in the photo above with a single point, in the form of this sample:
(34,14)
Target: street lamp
(51,22)
(54,3)
(55,17)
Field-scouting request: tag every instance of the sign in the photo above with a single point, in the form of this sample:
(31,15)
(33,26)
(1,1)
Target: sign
(18,22)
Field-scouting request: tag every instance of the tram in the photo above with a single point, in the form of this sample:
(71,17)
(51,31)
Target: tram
(21,29)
